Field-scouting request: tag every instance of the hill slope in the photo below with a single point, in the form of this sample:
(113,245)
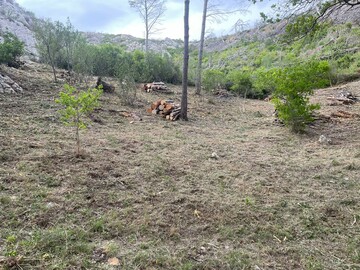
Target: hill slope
(152,195)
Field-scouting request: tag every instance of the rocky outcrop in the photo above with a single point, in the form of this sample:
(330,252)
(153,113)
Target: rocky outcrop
(8,86)
(18,21)
(131,43)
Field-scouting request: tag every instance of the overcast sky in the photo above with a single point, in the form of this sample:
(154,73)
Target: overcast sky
(116,17)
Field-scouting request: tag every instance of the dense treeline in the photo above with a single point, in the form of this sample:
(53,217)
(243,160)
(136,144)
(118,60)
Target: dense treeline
(62,46)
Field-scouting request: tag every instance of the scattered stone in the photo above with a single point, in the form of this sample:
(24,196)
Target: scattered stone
(214,156)
(8,86)
(324,140)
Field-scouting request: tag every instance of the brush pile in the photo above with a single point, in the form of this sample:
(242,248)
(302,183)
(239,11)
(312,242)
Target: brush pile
(166,108)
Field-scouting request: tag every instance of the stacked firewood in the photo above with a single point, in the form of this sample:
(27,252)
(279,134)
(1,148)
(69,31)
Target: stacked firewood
(166,108)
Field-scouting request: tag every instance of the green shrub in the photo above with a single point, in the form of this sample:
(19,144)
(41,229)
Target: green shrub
(213,79)
(10,49)
(263,82)
(240,81)
(293,86)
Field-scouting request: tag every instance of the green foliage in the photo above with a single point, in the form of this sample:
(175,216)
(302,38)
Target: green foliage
(213,79)
(303,25)
(263,82)
(71,37)
(240,82)
(113,60)
(293,86)
(83,58)
(50,41)
(10,49)
(78,105)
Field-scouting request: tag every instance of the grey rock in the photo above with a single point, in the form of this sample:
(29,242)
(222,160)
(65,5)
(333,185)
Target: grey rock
(8,86)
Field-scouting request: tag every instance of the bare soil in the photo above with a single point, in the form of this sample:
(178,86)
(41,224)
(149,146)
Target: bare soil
(228,189)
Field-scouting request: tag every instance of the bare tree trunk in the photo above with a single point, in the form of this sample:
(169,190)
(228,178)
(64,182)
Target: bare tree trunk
(146,32)
(77,142)
(147,42)
(77,135)
(52,63)
(184,102)
(201,49)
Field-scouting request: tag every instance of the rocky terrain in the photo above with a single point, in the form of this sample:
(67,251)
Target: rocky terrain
(18,21)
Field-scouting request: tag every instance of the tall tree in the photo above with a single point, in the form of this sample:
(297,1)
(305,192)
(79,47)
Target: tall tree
(214,10)
(201,49)
(150,12)
(50,40)
(184,102)
(70,38)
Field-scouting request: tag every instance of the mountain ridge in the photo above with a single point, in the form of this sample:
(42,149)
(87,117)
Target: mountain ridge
(17,20)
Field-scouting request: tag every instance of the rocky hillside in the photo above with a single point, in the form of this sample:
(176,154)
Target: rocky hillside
(131,43)
(18,21)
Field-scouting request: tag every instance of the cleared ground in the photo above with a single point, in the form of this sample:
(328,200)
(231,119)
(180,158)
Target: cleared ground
(229,189)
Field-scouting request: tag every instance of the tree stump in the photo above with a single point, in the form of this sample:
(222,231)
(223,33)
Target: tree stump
(107,88)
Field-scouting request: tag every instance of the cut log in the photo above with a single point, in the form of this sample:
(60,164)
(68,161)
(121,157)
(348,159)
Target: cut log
(166,108)
(155,104)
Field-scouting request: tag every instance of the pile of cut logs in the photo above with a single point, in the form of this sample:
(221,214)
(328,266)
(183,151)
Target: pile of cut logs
(167,108)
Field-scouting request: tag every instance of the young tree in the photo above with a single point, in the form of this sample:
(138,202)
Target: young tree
(150,12)
(78,105)
(184,103)
(50,41)
(293,87)
(201,49)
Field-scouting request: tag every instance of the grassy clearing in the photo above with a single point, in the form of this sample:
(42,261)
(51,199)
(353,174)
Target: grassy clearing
(150,193)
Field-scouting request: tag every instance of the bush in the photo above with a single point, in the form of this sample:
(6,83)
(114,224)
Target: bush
(240,82)
(293,86)
(11,49)
(213,79)
(263,82)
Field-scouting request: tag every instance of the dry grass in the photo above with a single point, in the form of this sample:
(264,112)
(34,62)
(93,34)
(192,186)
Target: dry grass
(150,193)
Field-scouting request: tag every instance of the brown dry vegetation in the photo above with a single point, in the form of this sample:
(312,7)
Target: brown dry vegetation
(153,194)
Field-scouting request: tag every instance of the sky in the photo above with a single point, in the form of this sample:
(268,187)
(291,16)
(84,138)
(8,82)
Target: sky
(116,16)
